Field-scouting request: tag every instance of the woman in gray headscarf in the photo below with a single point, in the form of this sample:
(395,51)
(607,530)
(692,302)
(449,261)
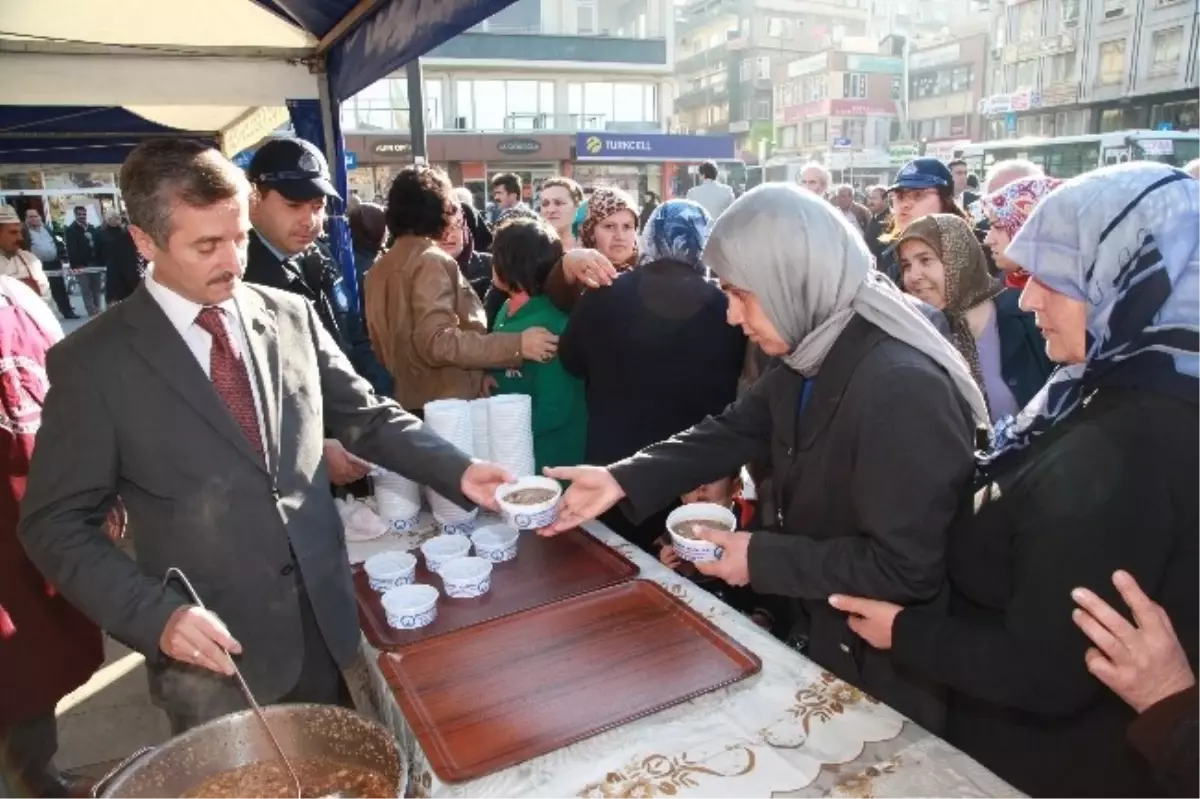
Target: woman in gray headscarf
(869,426)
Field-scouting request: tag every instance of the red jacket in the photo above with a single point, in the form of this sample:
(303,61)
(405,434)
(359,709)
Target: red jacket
(47,647)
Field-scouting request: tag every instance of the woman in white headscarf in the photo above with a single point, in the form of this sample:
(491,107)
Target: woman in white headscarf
(869,427)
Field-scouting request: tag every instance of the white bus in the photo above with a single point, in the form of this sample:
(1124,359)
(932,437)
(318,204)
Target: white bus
(1068,156)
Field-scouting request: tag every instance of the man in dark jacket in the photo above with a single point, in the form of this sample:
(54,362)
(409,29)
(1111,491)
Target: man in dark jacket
(124,267)
(877,204)
(85,248)
(287,208)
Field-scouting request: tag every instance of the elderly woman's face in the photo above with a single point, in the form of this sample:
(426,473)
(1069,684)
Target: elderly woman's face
(616,236)
(746,312)
(997,241)
(1062,320)
(922,273)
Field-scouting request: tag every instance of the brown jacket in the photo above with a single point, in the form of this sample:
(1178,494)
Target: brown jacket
(428,327)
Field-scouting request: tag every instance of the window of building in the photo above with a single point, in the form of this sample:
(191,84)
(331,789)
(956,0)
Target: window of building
(1027,72)
(1070,13)
(434,108)
(854,85)
(1029,22)
(814,132)
(787,138)
(762,109)
(745,69)
(595,104)
(1112,63)
(897,87)
(779,28)
(1166,48)
(384,106)
(816,87)
(1062,67)
(585,15)
(763,67)
(960,79)
(856,131)
(1114,8)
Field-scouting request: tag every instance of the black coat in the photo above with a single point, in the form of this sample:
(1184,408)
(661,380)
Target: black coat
(125,267)
(1113,487)
(866,480)
(656,354)
(1023,360)
(79,251)
(312,274)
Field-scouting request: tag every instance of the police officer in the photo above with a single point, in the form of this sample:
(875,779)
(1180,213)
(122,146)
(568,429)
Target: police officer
(287,209)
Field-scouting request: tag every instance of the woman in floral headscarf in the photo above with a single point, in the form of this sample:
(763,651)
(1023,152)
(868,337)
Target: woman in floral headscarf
(1097,473)
(942,264)
(609,227)
(1006,211)
(653,349)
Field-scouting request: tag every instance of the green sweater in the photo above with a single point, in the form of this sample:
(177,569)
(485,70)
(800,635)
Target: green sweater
(559,407)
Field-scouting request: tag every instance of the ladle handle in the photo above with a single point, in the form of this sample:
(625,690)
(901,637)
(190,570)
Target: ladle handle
(115,771)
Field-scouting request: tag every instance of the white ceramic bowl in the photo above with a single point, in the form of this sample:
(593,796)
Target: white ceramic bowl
(530,517)
(387,570)
(467,577)
(442,549)
(404,524)
(462,525)
(496,542)
(410,606)
(693,549)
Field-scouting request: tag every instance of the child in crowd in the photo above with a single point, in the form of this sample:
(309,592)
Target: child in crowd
(523,253)
(728,492)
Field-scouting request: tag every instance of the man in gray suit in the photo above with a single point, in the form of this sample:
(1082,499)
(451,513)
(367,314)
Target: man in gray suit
(712,194)
(202,401)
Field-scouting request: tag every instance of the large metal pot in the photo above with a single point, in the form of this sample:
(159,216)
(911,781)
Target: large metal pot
(238,739)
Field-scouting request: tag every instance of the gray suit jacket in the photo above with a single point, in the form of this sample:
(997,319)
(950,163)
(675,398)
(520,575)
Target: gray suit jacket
(714,196)
(130,412)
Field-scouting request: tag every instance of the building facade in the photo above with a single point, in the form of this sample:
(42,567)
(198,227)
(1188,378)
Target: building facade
(513,93)
(1070,67)
(946,82)
(727,53)
(840,108)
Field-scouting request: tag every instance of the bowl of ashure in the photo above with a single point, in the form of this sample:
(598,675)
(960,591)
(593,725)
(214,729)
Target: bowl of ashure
(530,502)
(684,522)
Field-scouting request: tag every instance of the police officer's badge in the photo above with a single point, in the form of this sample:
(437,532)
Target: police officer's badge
(308,162)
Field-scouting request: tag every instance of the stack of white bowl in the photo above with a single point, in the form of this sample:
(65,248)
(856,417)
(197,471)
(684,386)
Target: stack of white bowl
(479,428)
(510,433)
(399,501)
(451,419)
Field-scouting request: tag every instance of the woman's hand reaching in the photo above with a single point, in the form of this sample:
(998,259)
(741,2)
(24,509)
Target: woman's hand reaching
(592,491)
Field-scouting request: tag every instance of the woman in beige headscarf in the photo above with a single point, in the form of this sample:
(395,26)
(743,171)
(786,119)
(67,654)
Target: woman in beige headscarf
(942,264)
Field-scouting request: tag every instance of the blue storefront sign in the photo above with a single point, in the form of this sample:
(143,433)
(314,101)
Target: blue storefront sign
(351,160)
(242,159)
(1010,122)
(652,147)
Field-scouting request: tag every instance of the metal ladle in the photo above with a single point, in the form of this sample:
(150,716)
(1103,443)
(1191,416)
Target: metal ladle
(241,681)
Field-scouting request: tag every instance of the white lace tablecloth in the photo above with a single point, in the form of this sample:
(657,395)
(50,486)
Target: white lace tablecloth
(791,730)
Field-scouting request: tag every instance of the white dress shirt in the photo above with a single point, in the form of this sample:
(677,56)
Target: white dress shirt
(182,314)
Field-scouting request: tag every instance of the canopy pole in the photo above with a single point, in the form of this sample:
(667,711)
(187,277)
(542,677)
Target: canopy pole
(416,111)
(339,230)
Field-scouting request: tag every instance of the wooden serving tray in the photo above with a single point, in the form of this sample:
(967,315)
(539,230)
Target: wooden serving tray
(545,570)
(484,699)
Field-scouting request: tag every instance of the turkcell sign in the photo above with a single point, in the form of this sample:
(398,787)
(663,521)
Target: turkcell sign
(652,147)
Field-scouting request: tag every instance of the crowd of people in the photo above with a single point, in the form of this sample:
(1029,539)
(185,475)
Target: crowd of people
(957,423)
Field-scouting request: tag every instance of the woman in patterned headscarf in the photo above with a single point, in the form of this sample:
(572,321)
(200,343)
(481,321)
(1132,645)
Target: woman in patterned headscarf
(1006,211)
(942,264)
(1097,473)
(610,227)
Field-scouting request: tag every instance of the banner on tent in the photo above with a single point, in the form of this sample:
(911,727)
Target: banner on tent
(252,128)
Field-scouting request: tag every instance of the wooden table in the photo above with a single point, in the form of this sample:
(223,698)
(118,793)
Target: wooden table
(792,730)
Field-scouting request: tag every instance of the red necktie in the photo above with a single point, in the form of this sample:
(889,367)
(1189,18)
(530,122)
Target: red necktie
(230,377)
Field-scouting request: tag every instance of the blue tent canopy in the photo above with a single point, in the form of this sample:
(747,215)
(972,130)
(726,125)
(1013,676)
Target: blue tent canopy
(56,134)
